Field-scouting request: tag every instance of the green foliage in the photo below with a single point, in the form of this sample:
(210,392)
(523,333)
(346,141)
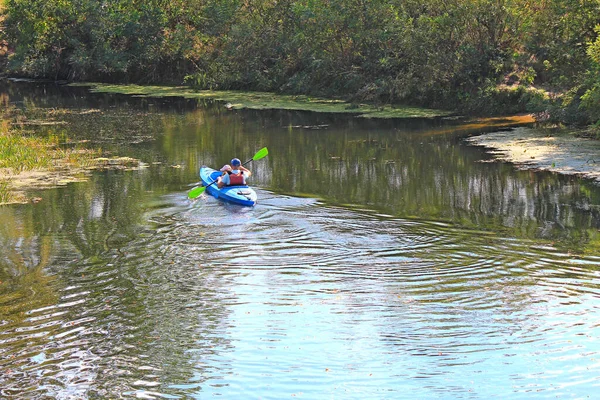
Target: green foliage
(557,33)
(200,81)
(437,53)
(510,100)
(590,101)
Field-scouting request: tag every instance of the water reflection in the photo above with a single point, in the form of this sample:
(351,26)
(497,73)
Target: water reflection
(409,268)
(419,169)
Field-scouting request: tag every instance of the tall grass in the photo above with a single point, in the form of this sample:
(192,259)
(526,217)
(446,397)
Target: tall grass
(5,193)
(21,151)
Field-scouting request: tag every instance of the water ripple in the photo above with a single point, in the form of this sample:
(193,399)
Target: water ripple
(211,299)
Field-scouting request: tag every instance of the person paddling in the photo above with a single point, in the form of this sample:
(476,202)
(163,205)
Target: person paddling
(235,175)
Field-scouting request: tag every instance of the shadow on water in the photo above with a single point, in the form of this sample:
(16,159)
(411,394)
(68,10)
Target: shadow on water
(383,259)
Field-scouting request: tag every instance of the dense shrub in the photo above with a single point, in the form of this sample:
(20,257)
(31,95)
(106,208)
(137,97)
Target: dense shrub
(450,53)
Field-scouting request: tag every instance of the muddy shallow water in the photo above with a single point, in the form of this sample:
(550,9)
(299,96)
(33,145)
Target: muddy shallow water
(383,260)
(548,150)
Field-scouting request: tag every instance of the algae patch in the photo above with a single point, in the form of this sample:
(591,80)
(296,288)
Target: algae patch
(561,152)
(13,184)
(265,100)
(28,160)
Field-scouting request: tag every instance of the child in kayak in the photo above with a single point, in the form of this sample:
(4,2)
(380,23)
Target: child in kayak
(233,175)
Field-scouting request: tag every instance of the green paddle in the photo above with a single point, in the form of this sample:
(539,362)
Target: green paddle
(197,191)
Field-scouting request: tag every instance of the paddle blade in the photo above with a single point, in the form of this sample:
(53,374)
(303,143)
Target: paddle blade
(195,192)
(262,153)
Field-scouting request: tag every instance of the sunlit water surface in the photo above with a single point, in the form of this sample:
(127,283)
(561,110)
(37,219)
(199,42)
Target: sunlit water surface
(122,288)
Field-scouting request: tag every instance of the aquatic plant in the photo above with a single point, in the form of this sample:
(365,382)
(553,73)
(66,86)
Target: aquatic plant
(5,194)
(266,100)
(21,151)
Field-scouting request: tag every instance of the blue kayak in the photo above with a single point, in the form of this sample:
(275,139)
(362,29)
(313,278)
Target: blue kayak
(242,194)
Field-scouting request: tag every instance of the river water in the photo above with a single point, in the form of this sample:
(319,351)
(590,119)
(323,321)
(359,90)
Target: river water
(384,260)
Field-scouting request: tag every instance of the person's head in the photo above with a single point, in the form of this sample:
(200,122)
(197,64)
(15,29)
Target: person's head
(226,168)
(236,163)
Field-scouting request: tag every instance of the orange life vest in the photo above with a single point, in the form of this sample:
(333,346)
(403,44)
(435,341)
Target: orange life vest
(236,179)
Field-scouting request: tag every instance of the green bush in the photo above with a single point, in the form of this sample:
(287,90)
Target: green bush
(498,100)
(448,54)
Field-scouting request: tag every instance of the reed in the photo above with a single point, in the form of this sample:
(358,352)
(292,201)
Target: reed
(21,151)
(5,193)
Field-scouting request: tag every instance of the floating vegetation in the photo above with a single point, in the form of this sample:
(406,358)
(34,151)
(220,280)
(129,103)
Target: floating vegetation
(264,100)
(35,162)
(21,153)
(117,163)
(31,161)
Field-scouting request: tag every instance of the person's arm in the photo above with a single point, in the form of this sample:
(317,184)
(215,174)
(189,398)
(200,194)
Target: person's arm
(221,179)
(246,171)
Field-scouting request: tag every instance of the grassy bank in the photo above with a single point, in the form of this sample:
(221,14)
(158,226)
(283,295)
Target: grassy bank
(28,158)
(265,100)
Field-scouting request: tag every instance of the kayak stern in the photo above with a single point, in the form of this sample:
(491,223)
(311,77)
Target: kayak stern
(242,194)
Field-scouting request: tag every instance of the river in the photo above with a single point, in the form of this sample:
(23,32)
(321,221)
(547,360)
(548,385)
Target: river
(384,260)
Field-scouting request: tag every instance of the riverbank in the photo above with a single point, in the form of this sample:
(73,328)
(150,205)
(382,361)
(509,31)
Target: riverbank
(536,149)
(266,100)
(559,151)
